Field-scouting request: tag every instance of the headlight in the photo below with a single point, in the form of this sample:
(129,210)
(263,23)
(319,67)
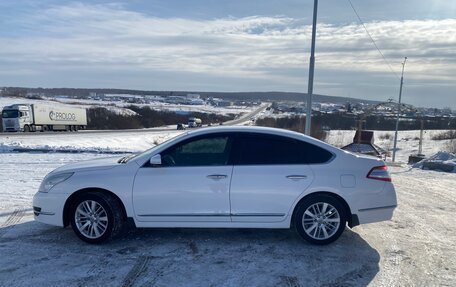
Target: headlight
(53,180)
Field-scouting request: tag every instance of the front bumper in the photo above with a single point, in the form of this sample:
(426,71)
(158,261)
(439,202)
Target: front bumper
(48,207)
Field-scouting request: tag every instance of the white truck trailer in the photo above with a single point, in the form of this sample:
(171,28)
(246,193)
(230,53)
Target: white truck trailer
(38,117)
(195,123)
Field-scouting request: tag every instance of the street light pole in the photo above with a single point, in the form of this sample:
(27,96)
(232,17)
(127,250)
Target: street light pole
(398,110)
(311,71)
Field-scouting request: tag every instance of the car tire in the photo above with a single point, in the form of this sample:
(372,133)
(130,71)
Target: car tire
(320,219)
(96,217)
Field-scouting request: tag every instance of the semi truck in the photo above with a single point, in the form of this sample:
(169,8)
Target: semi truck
(39,117)
(195,123)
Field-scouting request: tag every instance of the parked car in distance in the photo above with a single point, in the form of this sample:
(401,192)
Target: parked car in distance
(221,177)
(181,127)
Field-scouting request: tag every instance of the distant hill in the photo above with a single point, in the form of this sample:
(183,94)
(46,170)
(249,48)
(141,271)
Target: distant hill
(252,96)
(284,96)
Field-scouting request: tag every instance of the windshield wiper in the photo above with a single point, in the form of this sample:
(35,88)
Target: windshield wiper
(125,159)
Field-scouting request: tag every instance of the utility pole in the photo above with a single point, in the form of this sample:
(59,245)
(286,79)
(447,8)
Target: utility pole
(398,110)
(311,71)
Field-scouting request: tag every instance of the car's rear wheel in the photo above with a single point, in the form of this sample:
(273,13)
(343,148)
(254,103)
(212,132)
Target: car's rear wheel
(96,217)
(320,219)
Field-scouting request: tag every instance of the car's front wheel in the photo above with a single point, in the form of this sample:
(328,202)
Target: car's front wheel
(96,217)
(320,219)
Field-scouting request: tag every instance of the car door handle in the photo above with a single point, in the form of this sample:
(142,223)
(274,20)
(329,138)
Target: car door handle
(296,176)
(217,176)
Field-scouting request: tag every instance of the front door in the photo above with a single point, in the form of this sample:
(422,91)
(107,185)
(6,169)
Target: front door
(192,183)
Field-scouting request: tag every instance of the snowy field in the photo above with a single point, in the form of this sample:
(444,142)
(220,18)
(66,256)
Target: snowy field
(160,106)
(407,144)
(121,108)
(416,248)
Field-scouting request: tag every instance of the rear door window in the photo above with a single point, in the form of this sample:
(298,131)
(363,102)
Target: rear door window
(262,149)
(258,149)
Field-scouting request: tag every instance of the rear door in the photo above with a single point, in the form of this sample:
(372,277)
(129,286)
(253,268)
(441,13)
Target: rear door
(269,174)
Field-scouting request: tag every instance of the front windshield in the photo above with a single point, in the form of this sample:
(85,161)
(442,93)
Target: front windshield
(6,114)
(150,151)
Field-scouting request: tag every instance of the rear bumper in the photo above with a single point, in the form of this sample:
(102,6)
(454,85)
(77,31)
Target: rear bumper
(375,206)
(48,208)
(375,214)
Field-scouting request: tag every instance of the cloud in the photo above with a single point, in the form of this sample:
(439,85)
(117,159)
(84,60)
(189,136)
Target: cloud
(79,37)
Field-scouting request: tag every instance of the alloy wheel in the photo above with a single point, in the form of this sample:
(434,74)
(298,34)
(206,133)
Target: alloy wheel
(321,221)
(91,219)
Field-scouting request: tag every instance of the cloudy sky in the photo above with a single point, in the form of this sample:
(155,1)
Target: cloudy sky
(232,45)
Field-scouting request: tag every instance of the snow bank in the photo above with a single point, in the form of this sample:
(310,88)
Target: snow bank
(84,142)
(19,147)
(443,161)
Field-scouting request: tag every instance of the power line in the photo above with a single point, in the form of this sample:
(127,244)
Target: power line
(372,39)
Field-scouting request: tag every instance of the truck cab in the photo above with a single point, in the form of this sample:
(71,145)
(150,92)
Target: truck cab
(194,122)
(16,118)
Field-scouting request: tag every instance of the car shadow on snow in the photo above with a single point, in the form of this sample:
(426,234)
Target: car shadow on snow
(183,257)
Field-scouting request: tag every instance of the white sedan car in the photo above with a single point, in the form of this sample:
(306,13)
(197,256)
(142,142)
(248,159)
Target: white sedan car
(222,177)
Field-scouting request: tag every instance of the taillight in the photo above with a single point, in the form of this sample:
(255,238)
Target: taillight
(379,173)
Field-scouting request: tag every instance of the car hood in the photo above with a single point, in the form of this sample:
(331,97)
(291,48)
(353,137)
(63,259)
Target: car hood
(88,165)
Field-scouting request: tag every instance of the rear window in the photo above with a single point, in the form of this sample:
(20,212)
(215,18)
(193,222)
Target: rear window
(312,154)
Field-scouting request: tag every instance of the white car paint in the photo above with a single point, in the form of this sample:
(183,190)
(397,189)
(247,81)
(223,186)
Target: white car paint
(171,193)
(266,191)
(249,196)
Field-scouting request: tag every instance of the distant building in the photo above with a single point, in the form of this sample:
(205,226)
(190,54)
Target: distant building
(153,98)
(189,99)
(193,96)
(176,100)
(34,95)
(219,102)
(122,97)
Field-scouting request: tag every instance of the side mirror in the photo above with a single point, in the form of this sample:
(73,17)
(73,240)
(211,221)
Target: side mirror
(155,160)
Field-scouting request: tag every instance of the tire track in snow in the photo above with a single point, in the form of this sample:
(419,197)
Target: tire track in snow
(139,268)
(12,220)
(289,281)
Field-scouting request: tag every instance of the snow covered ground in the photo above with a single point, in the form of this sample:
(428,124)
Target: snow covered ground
(93,142)
(416,248)
(407,144)
(120,107)
(165,106)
